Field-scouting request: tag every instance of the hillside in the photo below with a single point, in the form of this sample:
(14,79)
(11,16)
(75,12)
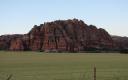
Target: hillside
(60,35)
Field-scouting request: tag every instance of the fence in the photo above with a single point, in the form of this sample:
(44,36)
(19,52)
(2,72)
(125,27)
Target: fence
(94,74)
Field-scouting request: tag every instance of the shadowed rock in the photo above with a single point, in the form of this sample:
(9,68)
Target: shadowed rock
(120,42)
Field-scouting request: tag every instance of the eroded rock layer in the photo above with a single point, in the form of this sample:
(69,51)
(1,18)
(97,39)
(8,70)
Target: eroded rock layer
(61,35)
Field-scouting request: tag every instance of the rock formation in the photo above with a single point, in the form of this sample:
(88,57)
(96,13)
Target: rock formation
(61,35)
(120,42)
(5,41)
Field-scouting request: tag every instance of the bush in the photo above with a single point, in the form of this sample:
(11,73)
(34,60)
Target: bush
(124,51)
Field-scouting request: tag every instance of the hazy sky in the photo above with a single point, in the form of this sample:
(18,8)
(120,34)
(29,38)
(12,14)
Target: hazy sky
(19,16)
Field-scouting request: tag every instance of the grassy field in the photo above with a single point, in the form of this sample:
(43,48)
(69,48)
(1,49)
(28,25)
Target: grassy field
(62,66)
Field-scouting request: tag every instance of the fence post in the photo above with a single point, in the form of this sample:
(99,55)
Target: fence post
(94,73)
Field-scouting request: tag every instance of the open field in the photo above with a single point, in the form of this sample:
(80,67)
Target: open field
(63,66)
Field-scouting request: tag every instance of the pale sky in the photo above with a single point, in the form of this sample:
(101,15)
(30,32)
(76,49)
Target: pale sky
(19,16)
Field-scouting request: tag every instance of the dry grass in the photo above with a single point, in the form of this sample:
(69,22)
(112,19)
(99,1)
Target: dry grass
(62,66)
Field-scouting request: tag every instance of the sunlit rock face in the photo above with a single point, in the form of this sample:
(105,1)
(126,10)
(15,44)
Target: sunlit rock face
(61,35)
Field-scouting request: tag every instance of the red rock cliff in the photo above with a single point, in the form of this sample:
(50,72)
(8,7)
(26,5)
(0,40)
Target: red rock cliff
(61,35)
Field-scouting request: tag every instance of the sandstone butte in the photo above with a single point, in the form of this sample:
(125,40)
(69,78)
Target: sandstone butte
(62,36)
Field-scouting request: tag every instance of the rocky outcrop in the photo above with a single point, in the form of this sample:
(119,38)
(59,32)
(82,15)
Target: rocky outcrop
(5,41)
(120,42)
(17,44)
(61,35)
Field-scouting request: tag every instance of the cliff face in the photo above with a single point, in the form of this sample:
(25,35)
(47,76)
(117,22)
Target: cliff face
(5,41)
(61,35)
(120,42)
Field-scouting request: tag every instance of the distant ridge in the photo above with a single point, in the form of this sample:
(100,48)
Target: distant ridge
(70,35)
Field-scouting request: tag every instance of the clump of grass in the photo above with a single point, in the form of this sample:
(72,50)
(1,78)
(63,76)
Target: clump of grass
(9,77)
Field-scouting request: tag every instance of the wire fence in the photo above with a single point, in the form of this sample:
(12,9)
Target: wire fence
(94,74)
